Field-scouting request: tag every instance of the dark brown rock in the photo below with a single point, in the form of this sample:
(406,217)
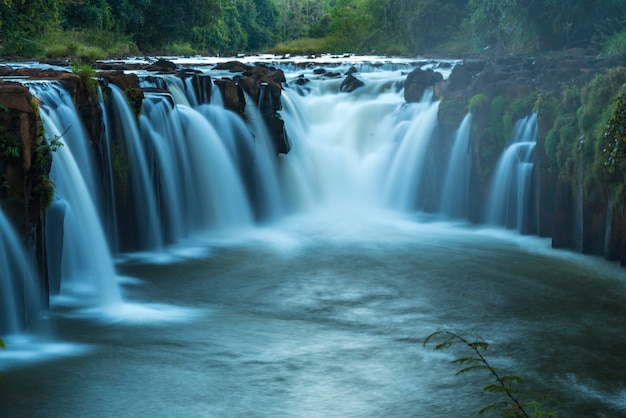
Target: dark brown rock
(350,83)
(418,81)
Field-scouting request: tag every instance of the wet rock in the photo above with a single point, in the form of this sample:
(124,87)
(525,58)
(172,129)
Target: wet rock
(418,81)
(350,83)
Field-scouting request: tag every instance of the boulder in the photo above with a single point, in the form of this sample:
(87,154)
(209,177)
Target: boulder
(418,81)
(350,83)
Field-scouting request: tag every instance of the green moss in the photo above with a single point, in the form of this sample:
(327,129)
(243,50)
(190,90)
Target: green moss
(44,188)
(522,107)
(452,112)
(551,146)
(87,74)
(121,163)
(135,99)
(479,105)
(496,123)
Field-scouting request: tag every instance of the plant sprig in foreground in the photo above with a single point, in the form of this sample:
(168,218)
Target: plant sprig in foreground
(514,404)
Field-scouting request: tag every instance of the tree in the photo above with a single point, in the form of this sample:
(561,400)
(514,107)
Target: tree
(166,21)
(21,21)
(87,14)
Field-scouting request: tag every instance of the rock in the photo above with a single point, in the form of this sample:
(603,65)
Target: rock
(232,66)
(232,95)
(417,82)
(162,65)
(350,83)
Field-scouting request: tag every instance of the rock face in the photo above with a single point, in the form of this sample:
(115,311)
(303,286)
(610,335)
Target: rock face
(589,221)
(350,83)
(24,185)
(418,81)
(263,85)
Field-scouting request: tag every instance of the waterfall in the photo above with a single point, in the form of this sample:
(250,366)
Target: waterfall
(19,290)
(366,149)
(455,195)
(194,168)
(404,184)
(123,132)
(510,199)
(75,238)
(267,182)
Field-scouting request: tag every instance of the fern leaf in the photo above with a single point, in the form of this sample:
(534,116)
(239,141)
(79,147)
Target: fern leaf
(445,344)
(431,336)
(472,368)
(478,344)
(511,378)
(499,388)
(465,360)
(493,406)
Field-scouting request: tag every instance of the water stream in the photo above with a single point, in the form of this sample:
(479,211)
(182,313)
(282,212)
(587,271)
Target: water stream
(305,285)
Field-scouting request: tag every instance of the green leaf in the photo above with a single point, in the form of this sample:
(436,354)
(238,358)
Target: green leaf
(431,336)
(465,360)
(2,344)
(478,344)
(499,388)
(472,368)
(512,379)
(493,406)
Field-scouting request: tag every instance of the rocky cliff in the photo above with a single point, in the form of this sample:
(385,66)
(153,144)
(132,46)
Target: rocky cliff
(578,202)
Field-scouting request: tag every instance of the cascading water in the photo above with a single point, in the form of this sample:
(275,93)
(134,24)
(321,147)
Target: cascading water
(199,186)
(355,151)
(323,316)
(455,195)
(404,185)
(19,291)
(80,253)
(510,199)
(124,133)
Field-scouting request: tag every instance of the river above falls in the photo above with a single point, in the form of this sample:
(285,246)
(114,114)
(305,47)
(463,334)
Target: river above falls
(325,316)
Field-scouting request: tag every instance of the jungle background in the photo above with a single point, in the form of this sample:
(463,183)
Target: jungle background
(100,29)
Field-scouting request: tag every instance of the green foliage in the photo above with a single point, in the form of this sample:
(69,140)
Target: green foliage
(43,186)
(614,139)
(451,112)
(616,44)
(9,149)
(479,105)
(22,22)
(516,402)
(87,74)
(301,46)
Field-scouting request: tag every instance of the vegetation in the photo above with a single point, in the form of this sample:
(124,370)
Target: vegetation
(615,138)
(516,402)
(99,28)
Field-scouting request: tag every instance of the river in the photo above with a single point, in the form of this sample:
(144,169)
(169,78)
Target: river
(323,316)
(321,308)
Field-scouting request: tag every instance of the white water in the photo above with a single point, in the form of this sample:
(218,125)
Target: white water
(322,312)
(360,150)
(19,289)
(456,193)
(145,216)
(85,264)
(510,197)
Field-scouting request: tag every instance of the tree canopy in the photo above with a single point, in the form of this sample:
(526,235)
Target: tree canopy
(381,26)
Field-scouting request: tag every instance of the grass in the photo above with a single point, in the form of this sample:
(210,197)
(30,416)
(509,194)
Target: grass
(92,45)
(616,44)
(302,46)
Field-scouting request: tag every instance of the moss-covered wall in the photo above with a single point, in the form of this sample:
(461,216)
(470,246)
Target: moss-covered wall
(579,201)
